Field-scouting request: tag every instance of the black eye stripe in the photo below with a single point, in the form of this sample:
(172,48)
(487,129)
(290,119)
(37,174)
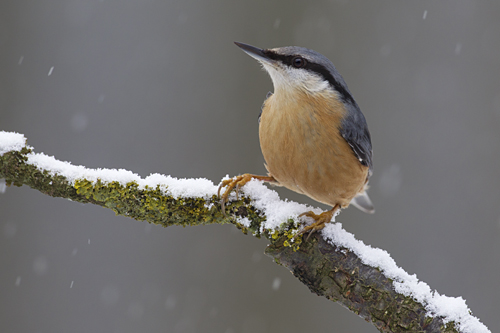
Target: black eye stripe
(286,59)
(343,92)
(313,67)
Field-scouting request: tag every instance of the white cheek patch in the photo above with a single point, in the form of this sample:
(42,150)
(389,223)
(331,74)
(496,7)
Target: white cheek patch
(315,85)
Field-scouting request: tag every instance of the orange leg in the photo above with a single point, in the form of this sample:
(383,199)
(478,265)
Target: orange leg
(320,220)
(238,182)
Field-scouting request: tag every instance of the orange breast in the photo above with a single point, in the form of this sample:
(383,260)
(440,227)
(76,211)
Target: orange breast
(304,150)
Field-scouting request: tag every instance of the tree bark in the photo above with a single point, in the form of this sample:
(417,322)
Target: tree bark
(339,275)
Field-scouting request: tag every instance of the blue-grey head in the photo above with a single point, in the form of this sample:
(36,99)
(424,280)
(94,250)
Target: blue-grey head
(302,68)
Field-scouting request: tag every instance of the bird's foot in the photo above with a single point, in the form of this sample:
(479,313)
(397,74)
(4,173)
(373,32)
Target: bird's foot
(236,183)
(319,220)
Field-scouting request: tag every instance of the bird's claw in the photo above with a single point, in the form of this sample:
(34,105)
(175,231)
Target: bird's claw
(236,183)
(319,221)
(231,184)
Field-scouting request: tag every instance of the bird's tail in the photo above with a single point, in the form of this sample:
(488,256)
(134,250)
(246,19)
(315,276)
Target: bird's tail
(363,203)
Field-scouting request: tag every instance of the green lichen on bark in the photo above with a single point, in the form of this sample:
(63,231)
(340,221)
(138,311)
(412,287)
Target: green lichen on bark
(149,204)
(154,205)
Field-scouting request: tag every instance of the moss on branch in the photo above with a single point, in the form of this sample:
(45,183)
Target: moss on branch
(150,204)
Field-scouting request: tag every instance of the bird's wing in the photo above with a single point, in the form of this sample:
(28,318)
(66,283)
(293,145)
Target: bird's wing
(355,131)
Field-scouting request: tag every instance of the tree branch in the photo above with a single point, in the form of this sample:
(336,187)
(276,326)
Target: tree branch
(332,264)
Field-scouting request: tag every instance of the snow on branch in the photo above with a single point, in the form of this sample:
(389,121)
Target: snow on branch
(332,263)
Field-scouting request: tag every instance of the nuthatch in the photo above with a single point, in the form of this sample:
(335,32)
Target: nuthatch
(313,136)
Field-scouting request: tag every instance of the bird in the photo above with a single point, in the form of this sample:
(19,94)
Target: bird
(313,135)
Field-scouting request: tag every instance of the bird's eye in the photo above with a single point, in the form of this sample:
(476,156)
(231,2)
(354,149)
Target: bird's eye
(298,62)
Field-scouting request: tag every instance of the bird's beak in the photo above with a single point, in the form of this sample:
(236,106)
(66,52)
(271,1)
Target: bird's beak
(255,53)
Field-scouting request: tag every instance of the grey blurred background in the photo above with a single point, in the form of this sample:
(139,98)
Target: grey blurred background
(158,86)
